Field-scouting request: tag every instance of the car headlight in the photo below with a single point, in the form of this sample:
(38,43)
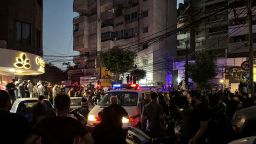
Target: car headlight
(125,120)
(91,118)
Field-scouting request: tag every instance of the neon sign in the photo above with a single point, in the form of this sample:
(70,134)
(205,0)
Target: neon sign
(22,62)
(40,62)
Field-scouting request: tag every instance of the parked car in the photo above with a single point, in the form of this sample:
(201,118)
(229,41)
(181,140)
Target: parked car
(24,106)
(247,140)
(244,121)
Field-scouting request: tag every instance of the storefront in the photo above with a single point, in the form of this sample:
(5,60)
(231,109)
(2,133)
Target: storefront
(14,63)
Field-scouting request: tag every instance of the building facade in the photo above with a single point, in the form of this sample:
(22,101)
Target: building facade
(128,24)
(225,34)
(21,38)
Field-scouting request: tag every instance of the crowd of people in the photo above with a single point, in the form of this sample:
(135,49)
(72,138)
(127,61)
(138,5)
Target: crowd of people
(194,117)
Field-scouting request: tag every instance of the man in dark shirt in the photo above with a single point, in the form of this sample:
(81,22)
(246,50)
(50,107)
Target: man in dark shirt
(153,113)
(14,128)
(60,129)
(195,120)
(109,130)
(10,87)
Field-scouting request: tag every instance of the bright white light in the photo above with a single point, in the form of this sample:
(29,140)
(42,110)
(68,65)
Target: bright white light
(178,80)
(125,120)
(91,118)
(11,70)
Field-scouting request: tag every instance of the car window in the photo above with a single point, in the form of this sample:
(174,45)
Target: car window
(124,98)
(75,101)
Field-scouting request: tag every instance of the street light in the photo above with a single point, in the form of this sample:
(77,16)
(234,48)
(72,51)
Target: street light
(222,83)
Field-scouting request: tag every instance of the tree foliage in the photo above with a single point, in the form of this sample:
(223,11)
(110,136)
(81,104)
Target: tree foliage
(138,74)
(203,69)
(118,60)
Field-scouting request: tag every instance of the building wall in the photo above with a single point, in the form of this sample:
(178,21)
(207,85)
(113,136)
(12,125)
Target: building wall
(15,13)
(160,15)
(211,34)
(238,28)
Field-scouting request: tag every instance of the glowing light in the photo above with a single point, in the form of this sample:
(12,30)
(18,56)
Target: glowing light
(178,80)
(22,61)
(11,70)
(40,62)
(134,85)
(91,118)
(19,71)
(116,85)
(125,120)
(221,81)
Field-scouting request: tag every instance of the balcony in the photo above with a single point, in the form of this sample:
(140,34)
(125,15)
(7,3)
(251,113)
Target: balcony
(80,5)
(238,47)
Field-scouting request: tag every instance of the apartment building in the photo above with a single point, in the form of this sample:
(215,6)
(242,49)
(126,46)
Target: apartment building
(128,24)
(225,34)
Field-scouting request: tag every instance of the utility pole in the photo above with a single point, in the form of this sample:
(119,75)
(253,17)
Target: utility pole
(98,26)
(186,65)
(251,51)
(97,56)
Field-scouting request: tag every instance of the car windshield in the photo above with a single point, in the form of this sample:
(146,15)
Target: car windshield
(124,98)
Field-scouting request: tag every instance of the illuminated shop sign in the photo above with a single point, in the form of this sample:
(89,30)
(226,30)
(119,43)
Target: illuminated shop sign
(40,62)
(20,63)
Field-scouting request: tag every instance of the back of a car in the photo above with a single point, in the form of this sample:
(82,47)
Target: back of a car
(24,106)
(127,99)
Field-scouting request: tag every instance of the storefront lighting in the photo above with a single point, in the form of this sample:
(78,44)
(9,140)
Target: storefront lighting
(19,71)
(40,62)
(12,70)
(22,61)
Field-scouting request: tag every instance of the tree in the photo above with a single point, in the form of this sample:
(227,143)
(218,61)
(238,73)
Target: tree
(203,69)
(117,60)
(138,74)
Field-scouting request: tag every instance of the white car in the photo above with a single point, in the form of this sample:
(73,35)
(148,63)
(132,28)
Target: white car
(247,140)
(24,106)
(129,99)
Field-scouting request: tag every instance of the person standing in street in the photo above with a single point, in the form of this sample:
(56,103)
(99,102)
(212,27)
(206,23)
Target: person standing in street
(61,129)
(30,88)
(152,116)
(195,119)
(109,130)
(10,87)
(14,128)
(41,88)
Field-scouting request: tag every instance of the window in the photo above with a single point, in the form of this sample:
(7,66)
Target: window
(131,17)
(75,27)
(40,3)
(107,36)
(23,32)
(124,98)
(39,39)
(145,30)
(144,13)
